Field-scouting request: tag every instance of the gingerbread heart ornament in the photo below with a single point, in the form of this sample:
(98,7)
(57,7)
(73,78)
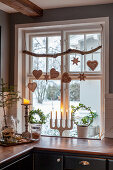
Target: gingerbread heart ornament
(53,73)
(66,78)
(92,64)
(32,86)
(37,73)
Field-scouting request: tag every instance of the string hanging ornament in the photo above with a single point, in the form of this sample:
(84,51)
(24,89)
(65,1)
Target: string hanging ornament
(75,59)
(53,73)
(92,64)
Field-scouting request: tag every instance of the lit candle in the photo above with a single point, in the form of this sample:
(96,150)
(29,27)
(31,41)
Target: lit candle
(25,101)
(56,115)
(61,115)
(66,115)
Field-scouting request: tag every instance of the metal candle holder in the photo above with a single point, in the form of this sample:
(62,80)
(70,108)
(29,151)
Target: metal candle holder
(61,128)
(26,134)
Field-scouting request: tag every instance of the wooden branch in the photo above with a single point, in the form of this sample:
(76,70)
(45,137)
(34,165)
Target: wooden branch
(24,6)
(69,51)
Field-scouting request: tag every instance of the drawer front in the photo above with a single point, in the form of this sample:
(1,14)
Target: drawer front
(110,164)
(82,163)
(48,161)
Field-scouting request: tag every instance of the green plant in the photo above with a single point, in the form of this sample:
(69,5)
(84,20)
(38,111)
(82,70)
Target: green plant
(8,96)
(86,120)
(37,116)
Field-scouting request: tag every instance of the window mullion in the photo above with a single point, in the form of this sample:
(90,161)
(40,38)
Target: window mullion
(62,70)
(47,53)
(85,49)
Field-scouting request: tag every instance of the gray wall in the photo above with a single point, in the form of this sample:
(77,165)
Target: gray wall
(4,24)
(60,15)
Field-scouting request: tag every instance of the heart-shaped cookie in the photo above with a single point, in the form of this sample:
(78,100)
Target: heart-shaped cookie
(37,73)
(92,64)
(32,86)
(66,78)
(53,73)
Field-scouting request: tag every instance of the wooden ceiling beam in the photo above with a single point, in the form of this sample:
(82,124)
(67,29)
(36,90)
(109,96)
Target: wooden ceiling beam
(26,7)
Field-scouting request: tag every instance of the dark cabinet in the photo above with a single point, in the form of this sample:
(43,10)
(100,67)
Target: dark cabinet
(110,164)
(48,161)
(43,160)
(21,163)
(84,163)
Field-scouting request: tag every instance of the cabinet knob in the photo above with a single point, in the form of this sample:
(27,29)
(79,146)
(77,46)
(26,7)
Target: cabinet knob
(84,163)
(58,159)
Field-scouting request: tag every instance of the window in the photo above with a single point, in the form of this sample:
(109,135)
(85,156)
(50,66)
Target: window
(52,95)
(96,82)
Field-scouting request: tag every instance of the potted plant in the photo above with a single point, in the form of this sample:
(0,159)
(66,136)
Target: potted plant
(8,97)
(36,119)
(85,121)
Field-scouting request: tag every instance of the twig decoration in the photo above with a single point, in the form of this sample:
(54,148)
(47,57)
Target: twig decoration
(69,51)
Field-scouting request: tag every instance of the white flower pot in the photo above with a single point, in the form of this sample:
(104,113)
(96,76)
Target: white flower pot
(82,131)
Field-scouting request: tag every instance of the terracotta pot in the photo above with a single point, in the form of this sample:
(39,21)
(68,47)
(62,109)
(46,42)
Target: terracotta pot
(82,131)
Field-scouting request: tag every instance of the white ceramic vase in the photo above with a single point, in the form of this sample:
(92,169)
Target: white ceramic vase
(82,131)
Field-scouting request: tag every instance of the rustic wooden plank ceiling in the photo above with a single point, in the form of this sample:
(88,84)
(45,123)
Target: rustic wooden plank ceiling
(26,7)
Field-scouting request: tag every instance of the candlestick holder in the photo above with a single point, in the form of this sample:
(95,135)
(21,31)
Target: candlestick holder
(61,128)
(26,134)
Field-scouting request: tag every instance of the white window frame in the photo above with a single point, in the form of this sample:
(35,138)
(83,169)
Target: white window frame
(20,60)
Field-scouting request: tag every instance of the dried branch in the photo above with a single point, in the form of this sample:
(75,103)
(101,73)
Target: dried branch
(69,51)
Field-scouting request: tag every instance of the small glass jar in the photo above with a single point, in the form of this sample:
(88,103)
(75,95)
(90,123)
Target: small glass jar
(8,130)
(35,131)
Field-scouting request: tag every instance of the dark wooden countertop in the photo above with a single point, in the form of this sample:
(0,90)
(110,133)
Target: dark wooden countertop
(70,145)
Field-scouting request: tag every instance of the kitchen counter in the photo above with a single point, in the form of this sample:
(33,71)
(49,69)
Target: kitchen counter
(69,145)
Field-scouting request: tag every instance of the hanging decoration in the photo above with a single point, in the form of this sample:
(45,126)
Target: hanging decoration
(92,64)
(66,78)
(53,73)
(82,77)
(32,86)
(69,51)
(75,61)
(37,73)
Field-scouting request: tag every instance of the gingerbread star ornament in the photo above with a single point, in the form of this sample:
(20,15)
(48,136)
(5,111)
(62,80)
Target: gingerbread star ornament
(75,61)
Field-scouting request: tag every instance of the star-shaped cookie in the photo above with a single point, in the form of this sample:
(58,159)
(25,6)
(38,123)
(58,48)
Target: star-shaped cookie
(75,61)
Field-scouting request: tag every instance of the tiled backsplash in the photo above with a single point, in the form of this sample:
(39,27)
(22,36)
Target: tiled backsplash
(109,115)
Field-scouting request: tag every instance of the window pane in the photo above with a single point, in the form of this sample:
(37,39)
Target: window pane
(86,92)
(76,42)
(54,46)
(39,47)
(93,41)
(47,98)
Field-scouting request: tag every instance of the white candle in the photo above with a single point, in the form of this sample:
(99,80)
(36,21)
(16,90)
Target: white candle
(61,115)
(56,115)
(66,115)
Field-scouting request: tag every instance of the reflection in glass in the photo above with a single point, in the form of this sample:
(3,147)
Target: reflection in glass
(47,98)
(86,92)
